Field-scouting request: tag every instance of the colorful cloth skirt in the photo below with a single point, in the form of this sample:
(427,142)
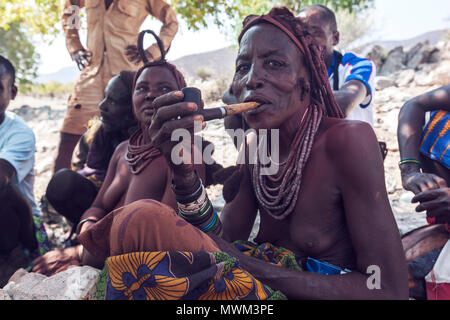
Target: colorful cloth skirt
(43,244)
(174,275)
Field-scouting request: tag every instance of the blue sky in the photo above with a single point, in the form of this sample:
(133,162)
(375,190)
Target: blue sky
(395,20)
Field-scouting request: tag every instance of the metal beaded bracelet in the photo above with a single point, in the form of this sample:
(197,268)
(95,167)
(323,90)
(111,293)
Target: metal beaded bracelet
(187,198)
(201,214)
(80,224)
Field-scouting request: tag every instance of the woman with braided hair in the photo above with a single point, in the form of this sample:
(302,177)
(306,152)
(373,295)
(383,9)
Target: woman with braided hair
(136,169)
(326,210)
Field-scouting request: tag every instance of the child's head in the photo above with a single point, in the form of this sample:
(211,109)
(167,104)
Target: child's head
(8,90)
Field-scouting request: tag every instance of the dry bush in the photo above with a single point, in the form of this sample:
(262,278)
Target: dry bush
(213,90)
(354,28)
(204,74)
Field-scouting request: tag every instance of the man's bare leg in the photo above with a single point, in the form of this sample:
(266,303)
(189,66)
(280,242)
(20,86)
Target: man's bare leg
(67,144)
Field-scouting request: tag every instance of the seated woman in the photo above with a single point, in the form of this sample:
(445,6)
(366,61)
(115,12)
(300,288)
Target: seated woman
(327,202)
(116,124)
(425,170)
(136,170)
(71,193)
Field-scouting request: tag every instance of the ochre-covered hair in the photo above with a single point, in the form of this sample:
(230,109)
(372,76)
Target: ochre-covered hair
(137,158)
(181,82)
(279,201)
(283,18)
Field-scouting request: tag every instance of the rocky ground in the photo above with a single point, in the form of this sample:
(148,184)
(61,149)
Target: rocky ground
(404,74)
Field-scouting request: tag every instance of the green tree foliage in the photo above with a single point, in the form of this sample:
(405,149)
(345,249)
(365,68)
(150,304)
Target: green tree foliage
(43,17)
(39,16)
(198,13)
(21,19)
(16,46)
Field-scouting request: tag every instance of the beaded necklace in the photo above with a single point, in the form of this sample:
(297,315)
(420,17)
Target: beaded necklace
(280,200)
(140,155)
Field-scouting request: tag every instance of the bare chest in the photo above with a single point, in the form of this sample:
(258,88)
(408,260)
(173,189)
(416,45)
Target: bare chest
(317,226)
(127,187)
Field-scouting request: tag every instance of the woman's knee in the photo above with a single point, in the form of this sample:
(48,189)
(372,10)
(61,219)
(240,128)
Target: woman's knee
(148,225)
(61,185)
(70,194)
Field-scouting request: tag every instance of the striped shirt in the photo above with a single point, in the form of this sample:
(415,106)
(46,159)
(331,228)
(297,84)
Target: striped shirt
(352,67)
(436,138)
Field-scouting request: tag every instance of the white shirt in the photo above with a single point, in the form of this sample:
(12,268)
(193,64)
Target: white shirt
(17,146)
(354,67)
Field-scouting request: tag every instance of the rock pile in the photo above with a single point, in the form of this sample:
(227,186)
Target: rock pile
(415,58)
(404,75)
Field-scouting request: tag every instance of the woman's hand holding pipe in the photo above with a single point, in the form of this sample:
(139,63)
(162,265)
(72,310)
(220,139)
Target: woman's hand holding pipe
(173,113)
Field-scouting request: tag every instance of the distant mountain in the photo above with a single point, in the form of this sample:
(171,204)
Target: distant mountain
(220,61)
(63,76)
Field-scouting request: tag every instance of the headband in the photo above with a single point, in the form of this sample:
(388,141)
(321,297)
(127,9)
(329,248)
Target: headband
(253,20)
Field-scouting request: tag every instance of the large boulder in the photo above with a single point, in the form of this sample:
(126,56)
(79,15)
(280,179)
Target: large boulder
(437,74)
(405,77)
(74,283)
(420,53)
(4,295)
(382,83)
(377,55)
(394,62)
(17,259)
(445,50)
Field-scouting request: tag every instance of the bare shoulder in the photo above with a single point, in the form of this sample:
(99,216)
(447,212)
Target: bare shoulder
(345,137)
(120,151)
(122,148)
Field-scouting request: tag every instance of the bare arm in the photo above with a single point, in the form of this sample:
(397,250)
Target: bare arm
(370,221)
(351,95)
(239,215)
(409,134)
(97,209)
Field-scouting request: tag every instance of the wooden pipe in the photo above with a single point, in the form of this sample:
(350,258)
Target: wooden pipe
(221,112)
(194,95)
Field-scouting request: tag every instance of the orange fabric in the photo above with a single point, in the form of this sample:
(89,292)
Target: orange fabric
(144,225)
(87,94)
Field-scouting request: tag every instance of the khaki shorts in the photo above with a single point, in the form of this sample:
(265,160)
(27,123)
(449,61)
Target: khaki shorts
(87,94)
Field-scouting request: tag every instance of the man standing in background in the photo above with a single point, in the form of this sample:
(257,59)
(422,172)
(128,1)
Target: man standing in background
(112,30)
(351,77)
